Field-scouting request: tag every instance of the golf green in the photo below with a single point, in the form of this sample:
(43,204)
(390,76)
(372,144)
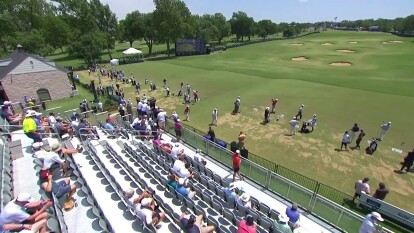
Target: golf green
(371,84)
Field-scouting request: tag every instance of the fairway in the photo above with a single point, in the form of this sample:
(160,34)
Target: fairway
(375,87)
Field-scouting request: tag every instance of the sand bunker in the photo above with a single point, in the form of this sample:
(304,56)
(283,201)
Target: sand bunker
(345,51)
(393,42)
(296,44)
(340,63)
(301,58)
(327,44)
(353,42)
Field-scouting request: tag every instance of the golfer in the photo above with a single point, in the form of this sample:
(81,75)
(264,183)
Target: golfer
(293,124)
(353,131)
(274,102)
(359,139)
(187,113)
(312,122)
(236,165)
(299,115)
(237,106)
(214,116)
(384,129)
(345,140)
(266,115)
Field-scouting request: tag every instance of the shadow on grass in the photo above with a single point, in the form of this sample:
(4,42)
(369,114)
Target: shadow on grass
(161,58)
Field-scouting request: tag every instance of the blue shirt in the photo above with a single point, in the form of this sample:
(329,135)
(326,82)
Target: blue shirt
(182,190)
(292,214)
(230,193)
(38,123)
(108,126)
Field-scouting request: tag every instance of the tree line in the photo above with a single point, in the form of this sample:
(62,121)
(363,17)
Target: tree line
(85,28)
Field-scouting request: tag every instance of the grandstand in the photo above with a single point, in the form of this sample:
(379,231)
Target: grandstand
(111,164)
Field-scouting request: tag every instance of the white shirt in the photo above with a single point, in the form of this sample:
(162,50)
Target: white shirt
(178,165)
(345,138)
(49,158)
(215,113)
(12,213)
(139,106)
(175,151)
(75,124)
(196,157)
(293,123)
(184,173)
(368,225)
(52,120)
(161,116)
(136,121)
(247,205)
(100,105)
(145,108)
(145,214)
(361,187)
(174,116)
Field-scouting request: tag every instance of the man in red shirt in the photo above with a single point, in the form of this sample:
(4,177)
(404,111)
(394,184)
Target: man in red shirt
(187,113)
(274,102)
(236,165)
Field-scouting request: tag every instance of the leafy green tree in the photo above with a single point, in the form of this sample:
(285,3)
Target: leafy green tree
(133,27)
(223,27)
(88,46)
(408,25)
(241,25)
(34,42)
(150,31)
(56,32)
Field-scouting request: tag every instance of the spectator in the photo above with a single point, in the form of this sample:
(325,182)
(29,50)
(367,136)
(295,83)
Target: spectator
(15,216)
(359,139)
(172,181)
(193,224)
(353,131)
(300,111)
(281,225)
(63,128)
(187,113)
(178,127)
(274,102)
(181,189)
(236,165)
(51,161)
(247,226)
(214,116)
(30,128)
(266,115)
(198,157)
(52,119)
(211,134)
(312,122)
(85,128)
(161,116)
(293,124)
(361,185)
(11,118)
(381,191)
(241,139)
(175,116)
(59,188)
(369,224)
(244,200)
(384,130)
(293,215)
(237,106)
(231,192)
(176,151)
(178,164)
(185,172)
(151,216)
(65,151)
(345,140)
(408,161)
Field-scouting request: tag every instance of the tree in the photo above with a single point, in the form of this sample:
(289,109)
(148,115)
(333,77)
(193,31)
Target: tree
(88,46)
(56,32)
(133,27)
(408,25)
(34,42)
(170,18)
(149,32)
(241,25)
(205,28)
(223,27)
(265,28)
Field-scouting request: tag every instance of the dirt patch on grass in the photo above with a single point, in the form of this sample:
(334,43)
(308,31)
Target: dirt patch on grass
(327,44)
(353,42)
(345,51)
(301,58)
(296,44)
(393,42)
(341,64)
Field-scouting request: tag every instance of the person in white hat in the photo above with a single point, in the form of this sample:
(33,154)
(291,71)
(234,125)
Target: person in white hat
(231,191)
(369,224)
(214,117)
(244,200)
(236,166)
(30,127)
(150,216)
(300,111)
(312,122)
(293,123)
(281,224)
(14,214)
(384,129)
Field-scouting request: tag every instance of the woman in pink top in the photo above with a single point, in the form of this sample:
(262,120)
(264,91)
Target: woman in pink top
(178,127)
(247,226)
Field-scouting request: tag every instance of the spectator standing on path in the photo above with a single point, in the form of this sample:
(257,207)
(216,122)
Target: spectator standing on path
(361,185)
(187,113)
(369,224)
(266,115)
(312,122)
(293,124)
(178,128)
(237,106)
(408,161)
(345,140)
(247,225)
(164,83)
(384,130)
(274,102)
(211,134)
(381,191)
(214,116)
(241,140)
(294,216)
(188,89)
(353,131)
(167,89)
(281,225)
(299,114)
(359,139)
(236,165)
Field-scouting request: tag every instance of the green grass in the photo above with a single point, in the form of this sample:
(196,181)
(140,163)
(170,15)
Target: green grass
(376,88)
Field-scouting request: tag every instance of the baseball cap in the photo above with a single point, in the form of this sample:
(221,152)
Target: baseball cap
(55,146)
(146,201)
(6,103)
(237,151)
(25,197)
(377,216)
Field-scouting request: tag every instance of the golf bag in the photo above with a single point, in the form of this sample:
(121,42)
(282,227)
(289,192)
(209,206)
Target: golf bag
(244,153)
(233,146)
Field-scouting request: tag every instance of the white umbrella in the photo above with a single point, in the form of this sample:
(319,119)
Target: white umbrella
(132,51)
(114,62)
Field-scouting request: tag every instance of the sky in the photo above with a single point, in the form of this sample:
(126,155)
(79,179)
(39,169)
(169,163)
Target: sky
(283,10)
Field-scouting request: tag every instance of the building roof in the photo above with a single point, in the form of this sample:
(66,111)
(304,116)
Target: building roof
(20,62)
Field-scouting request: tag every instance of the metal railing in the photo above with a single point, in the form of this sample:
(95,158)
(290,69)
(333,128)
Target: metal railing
(308,193)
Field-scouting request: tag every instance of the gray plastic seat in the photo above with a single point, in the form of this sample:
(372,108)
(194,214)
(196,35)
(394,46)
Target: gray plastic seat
(266,223)
(217,204)
(229,215)
(209,173)
(264,208)
(53,225)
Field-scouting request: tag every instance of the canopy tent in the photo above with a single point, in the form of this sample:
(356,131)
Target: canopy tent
(114,62)
(133,52)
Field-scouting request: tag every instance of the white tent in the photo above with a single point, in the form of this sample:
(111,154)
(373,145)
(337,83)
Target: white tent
(132,51)
(114,62)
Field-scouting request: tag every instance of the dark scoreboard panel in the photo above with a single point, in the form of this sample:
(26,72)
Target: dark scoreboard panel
(189,47)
